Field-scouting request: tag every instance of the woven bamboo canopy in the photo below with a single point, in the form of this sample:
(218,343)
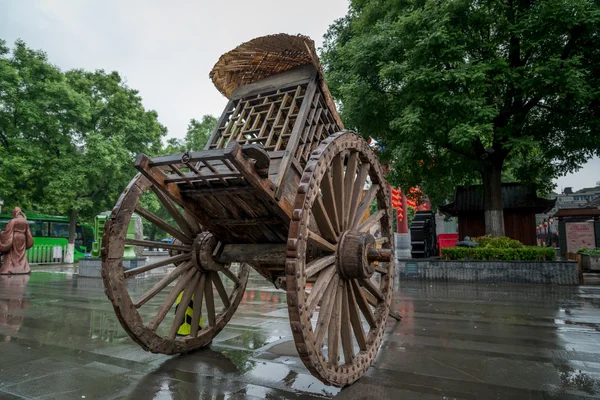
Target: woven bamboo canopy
(263,57)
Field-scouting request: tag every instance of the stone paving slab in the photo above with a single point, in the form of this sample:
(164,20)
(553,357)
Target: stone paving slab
(61,340)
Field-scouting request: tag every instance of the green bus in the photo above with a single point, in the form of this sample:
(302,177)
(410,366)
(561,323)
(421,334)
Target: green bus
(50,236)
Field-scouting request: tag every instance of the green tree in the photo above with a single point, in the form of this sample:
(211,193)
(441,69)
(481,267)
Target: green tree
(68,139)
(198,132)
(457,90)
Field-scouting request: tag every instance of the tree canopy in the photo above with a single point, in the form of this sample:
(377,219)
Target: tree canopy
(461,90)
(67,139)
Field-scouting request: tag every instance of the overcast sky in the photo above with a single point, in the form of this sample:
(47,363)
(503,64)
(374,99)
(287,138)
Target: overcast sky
(165,49)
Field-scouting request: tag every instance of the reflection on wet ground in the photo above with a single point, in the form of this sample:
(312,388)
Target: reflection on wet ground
(59,339)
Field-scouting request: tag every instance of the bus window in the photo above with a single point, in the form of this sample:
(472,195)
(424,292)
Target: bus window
(39,228)
(59,229)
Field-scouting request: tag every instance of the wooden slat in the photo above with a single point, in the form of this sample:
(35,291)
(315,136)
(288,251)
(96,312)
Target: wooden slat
(358,186)
(160,245)
(173,159)
(198,294)
(315,266)
(173,211)
(329,200)
(349,178)
(356,322)
(329,300)
(338,187)
(163,283)
(163,225)
(216,279)
(364,205)
(345,332)
(210,301)
(318,288)
(361,300)
(369,222)
(160,263)
(323,221)
(188,291)
(171,297)
(318,241)
(370,287)
(333,332)
(231,276)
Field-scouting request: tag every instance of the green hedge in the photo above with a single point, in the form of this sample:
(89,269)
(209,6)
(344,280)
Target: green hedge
(525,253)
(501,242)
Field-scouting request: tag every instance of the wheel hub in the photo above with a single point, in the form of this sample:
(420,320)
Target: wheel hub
(202,253)
(352,260)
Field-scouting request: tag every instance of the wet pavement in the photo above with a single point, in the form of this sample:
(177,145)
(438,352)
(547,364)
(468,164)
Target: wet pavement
(59,339)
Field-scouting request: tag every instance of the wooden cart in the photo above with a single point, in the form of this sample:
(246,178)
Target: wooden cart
(281,188)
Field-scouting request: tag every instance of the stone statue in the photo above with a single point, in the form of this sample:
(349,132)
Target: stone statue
(15,239)
(467,242)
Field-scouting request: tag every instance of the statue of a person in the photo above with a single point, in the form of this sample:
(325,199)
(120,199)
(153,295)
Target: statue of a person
(15,239)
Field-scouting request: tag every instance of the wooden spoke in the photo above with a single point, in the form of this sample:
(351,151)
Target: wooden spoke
(323,221)
(163,283)
(183,304)
(171,297)
(160,245)
(160,263)
(381,269)
(338,188)
(357,327)
(317,265)
(174,212)
(163,225)
(231,276)
(370,287)
(364,204)
(210,301)
(369,222)
(326,310)
(318,241)
(318,288)
(198,293)
(349,186)
(220,288)
(333,335)
(382,240)
(329,199)
(357,190)
(346,334)
(361,301)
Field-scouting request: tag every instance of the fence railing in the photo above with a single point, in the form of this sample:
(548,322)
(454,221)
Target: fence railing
(46,254)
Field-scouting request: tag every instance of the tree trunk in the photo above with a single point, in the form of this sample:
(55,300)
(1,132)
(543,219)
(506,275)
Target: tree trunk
(70,255)
(492,195)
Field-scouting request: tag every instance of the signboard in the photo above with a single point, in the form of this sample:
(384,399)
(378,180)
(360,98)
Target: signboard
(580,235)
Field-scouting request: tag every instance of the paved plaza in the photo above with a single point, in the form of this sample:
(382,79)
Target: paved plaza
(59,339)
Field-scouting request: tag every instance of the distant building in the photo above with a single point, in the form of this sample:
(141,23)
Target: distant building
(584,198)
(520,204)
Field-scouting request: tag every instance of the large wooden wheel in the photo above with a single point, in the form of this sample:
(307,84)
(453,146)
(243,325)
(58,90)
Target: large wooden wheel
(216,288)
(338,296)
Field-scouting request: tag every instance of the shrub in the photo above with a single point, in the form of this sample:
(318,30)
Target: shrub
(502,242)
(523,253)
(591,252)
